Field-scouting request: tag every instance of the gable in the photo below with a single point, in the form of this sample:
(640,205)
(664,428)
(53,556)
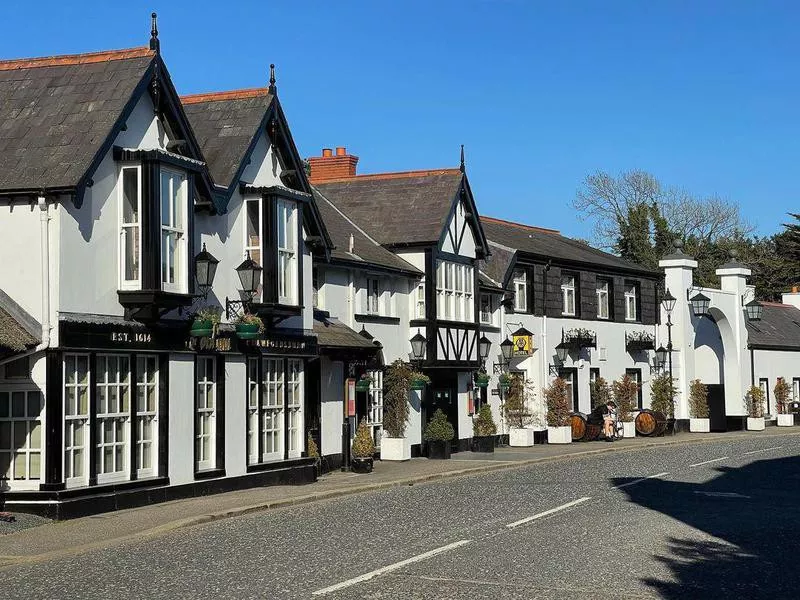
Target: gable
(459,237)
(264,168)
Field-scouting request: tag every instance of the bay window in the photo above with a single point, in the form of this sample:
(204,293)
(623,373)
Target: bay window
(252,234)
(630,302)
(206,414)
(76,417)
(130,187)
(568,295)
(602,298)
(454,291)
(287,252)
(173,231)
(21,435)
(113,392)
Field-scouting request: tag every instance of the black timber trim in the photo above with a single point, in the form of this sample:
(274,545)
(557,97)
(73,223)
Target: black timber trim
(529,258)
(464,193)
(161,156)
(773,347)
(133,438)
(366,318)
(219,365)
(411,272)
(54,418)
(91,443)
(209,473)
(163,414)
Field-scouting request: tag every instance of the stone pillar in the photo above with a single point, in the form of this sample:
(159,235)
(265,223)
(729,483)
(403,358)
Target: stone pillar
(733,281)
(678,277)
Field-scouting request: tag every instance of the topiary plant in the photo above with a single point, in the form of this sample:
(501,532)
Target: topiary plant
(363,446)
(754,402)
(439,428)
(396,383)
(516,406)
(484,425)
(626,393)
(662,392)
(557,398)
(782,393)
(312,451)
(698,399)
(599,392)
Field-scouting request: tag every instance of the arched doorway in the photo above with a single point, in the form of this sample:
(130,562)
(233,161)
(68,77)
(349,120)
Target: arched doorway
(709,367)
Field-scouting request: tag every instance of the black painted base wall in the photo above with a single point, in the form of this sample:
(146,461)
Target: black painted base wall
(681,425)
(70,504)
(736,423)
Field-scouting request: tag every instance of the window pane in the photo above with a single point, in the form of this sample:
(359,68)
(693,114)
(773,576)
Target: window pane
(35,434)
(20,472)
(18,404)
(5,435)
(131,249)
(4,401)
(165,199)
(35,468)
(130,196)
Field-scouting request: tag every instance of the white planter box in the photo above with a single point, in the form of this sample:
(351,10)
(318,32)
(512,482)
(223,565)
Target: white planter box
(628,429)
(395,448)
(785,420)
(699,425)
(520,438)
(755,423)
(559,435)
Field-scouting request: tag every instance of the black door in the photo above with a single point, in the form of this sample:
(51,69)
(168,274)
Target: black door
(716,407)
(570,377)
(441,394)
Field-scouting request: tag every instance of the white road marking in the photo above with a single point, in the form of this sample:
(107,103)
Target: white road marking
(389,568)
(635,481)
(706,462)
(722,494)
(547,512)
(763,450)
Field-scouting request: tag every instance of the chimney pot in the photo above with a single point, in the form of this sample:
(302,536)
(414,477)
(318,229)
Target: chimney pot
(341,151)
(327,152)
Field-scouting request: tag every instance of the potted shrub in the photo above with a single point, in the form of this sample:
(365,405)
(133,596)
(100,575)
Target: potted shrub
(482,379)
(662,394)
(517,413)
(312,451)
(504,381)
(698,407)
(484,430)
(599,392)
(249,327)
(439,433)
(397,384)
(205,320)
(626,393)
(419,380)
(559,430)
(364,383)
(754,400)
(782,393)
(363,449)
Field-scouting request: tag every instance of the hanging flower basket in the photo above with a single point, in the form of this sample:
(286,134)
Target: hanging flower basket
(363,384)
(201,328)
(505,381)
(482,380)
(638,341)
(580,338)
(246,331)
(419,381)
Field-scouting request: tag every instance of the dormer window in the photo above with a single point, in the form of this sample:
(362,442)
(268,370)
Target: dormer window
(173,231)
(287,252)
(130,186)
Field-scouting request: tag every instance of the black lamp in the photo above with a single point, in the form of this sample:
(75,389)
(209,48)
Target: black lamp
(418,346)
(250,276)
(205,267)
(562,350)
(661,356)
(700,304)
(754,310)
(668,302)
(484,345)
(507,349)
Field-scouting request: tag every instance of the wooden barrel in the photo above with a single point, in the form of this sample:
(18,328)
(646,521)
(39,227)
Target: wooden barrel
(650,423)
(578,422)
(592,432)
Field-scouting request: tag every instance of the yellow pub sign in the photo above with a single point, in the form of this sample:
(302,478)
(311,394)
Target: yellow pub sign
(523,342)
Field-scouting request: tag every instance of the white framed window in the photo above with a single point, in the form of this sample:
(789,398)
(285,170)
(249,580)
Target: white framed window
(206,418)
(318,288)
(764,385)
(287,252)
(374,416)
(372,296)
(130,226)
(21,435)
(487,309)
(630,302)
(602,298)
(455,291)
(253,228)
(76,418)
(252,410)
(568,294)
(419,300)
(146,416)
(520,291)
(112,425)
(173,231)
(294,406)
(796,389)
(272,409)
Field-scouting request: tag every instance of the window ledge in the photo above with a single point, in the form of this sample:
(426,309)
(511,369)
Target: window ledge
(365,318)
(209,474)
(280,464)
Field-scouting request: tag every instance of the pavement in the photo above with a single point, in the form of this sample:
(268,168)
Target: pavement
(46,541)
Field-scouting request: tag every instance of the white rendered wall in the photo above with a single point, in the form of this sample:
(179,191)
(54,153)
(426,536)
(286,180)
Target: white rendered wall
(454,228)
(235,417)
(181,418)
(264,169)
(771,364)
(331,415)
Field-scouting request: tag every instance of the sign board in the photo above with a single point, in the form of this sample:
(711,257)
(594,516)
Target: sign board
(523,343)
(495,392)
(350,396)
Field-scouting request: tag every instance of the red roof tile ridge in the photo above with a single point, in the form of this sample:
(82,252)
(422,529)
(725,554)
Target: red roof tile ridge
(392,175)
(520,225)
(75,59)
(226,95)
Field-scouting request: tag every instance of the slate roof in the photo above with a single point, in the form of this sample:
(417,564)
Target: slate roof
(19,331)
(778,328)
(495,266)
(397,208)
(56,112)
(365,249)
(225,124)
(332,333)
(548,243)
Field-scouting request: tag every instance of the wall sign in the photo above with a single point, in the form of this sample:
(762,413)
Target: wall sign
(523,342)
(296,345)
(112,336)
(350,394)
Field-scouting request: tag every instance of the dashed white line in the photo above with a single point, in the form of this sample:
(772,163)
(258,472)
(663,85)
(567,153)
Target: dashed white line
(708,462)
(763,450)
(389,568)
(635,481)
(547,512)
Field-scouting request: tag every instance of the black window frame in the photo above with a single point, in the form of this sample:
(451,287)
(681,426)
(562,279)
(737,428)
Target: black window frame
(636,375)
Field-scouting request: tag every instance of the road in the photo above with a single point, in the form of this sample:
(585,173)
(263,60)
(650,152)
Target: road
(687,521)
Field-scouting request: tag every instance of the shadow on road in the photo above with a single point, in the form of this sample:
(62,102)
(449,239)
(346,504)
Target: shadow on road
(751,511)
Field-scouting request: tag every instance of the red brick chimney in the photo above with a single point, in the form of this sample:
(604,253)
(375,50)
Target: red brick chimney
(327,167)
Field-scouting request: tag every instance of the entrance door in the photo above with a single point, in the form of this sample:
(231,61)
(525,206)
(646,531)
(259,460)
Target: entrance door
(716,407)
(446,400)
(570,377)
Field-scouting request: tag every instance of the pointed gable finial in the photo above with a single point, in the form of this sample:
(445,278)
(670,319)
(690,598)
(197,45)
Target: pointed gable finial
(154,43)
(272,87)
(462,168)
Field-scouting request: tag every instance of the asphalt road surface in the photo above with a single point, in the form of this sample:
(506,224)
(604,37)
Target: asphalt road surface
(710,520)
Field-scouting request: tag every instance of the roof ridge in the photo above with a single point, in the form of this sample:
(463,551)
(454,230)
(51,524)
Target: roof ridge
(239,94)
(392,175)
(779,304)
(75,59)
(520,225)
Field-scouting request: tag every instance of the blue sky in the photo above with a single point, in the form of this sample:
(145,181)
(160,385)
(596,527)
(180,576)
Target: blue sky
(704,95)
